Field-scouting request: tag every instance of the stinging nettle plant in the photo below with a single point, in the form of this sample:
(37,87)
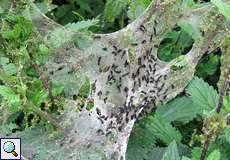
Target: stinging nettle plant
(125,77)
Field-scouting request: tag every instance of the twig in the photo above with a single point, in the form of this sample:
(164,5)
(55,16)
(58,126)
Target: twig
(223,92)
(219,104)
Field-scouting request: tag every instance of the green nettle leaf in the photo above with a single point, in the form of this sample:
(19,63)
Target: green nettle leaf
(185,158)
(163,130)
(83,42)
(57,89)
(196,152)
(171,152)
(223,8)
(4,60)
(180,63)
(226,103)
(45,8)
(43,49)
(141,141)
(9,68)
(145,134)
(84,5)
(82,25)
(62,10)
(114,8)
(1,10)
(42,55)
(215,155)
(181,109)
(13,99)
(39,97)
(136,8)
(21,29)
(13,34)
(36,93)
(154,154)
(188,3)
(202,94)
(174,44)
(187,27)
(227,134)
(208,66)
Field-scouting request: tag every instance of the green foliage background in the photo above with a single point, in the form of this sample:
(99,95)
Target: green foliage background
(173,132)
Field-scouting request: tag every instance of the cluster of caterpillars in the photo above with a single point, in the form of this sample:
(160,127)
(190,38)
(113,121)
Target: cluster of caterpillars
(144,79)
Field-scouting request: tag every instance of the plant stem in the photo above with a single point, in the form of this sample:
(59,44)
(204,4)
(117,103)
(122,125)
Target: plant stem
(223,92)
(219,104)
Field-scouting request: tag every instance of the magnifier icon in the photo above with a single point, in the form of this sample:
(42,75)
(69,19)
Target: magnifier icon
(9,147)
